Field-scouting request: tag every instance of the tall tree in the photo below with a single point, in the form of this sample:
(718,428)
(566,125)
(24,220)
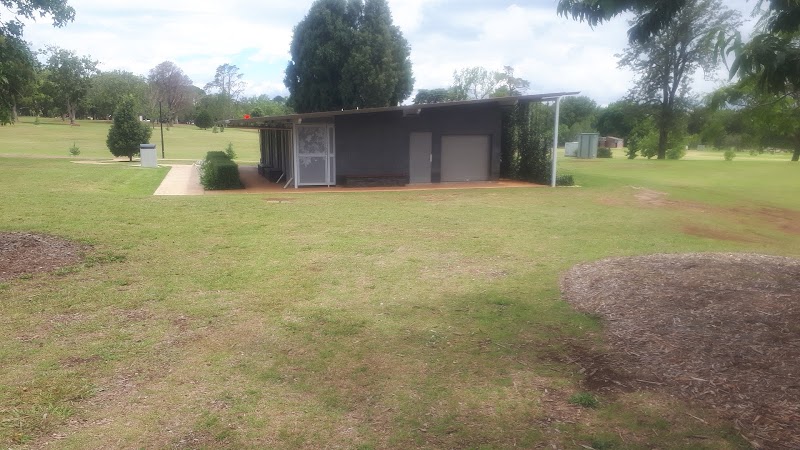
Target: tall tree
(665,63)
(109,88)
(17,76)
(58,10)
(170,86)
(228,86)
(511,85)
(474,83)
(227,81)
(348,54)
(68,78)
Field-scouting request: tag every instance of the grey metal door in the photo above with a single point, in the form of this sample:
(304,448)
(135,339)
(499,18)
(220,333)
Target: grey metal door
(420,157)
(465,158)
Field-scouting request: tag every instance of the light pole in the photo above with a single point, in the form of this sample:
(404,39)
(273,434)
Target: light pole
(161,124)
(555,143)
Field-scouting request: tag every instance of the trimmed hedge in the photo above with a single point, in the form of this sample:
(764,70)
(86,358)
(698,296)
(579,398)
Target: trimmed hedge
(565,180)
(219,172)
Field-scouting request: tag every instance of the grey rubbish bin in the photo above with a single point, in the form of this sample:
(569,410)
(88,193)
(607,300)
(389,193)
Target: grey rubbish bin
(148,154)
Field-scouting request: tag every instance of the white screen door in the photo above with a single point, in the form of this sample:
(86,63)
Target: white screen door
(315,155)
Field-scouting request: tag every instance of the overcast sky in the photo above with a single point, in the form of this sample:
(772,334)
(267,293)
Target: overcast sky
(555,54)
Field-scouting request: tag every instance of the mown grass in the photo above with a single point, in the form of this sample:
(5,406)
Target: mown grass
(54,137)
(367,320)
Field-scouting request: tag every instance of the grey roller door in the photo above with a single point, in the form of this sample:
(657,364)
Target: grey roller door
(465,158)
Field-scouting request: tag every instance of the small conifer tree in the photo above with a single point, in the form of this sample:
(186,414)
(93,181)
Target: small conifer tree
(127,133)
(203,120)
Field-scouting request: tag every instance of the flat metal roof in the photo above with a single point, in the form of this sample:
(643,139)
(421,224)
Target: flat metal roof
(406,109)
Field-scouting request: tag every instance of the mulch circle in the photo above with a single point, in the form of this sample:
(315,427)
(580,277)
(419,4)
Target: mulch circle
(722,329)
(28,253)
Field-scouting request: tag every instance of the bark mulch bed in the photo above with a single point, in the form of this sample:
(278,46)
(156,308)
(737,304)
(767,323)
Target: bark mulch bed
(721,329)
(27,253)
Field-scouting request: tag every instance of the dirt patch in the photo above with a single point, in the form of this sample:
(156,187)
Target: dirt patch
(28,253)
(720,235)
(650,197)
(786,220)
(722,329)
(782,219)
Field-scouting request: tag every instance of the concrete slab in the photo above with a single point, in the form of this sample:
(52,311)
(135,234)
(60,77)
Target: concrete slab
(181,180)
(185,180)
(256,184)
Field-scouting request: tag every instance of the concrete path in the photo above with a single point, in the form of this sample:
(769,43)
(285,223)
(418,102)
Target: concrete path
(181,180)
(185,180)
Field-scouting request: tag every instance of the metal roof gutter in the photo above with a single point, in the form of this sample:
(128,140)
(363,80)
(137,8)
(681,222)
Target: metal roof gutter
(409,110)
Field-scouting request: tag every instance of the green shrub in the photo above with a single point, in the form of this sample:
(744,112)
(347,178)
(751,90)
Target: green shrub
(565,180)
(215,129)
(676,153)
(218,172)
(604,152)
(229,151)
(203,120)
(729,154)
(74,150)
(584,399)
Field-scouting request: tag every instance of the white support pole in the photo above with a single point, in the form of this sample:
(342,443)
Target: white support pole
(555,143)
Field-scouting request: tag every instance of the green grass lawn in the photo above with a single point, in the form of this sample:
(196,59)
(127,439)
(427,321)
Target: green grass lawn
(362,320)
(54,137)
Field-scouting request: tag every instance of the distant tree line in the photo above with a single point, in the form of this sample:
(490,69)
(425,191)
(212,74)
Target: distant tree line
(70,86)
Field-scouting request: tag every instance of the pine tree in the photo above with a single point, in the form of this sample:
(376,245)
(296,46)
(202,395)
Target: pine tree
(127,132)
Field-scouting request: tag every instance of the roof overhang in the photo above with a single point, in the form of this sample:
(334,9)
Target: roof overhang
(287,121)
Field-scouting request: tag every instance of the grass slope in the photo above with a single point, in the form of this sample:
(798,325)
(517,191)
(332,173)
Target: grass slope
(363,320)
(53,138)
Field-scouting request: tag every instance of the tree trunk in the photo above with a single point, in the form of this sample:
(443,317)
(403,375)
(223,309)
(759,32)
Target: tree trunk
(71,112)
(663,135)
(14,115)
(796,153)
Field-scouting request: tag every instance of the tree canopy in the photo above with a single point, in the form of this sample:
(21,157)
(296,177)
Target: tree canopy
(474,83)
(772,55)
(577,115)
(109,88)
(171,87)
(769,120)
(348,54)
(223,91)
(17,76)
(227,81)
(67,78)
(58,10)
